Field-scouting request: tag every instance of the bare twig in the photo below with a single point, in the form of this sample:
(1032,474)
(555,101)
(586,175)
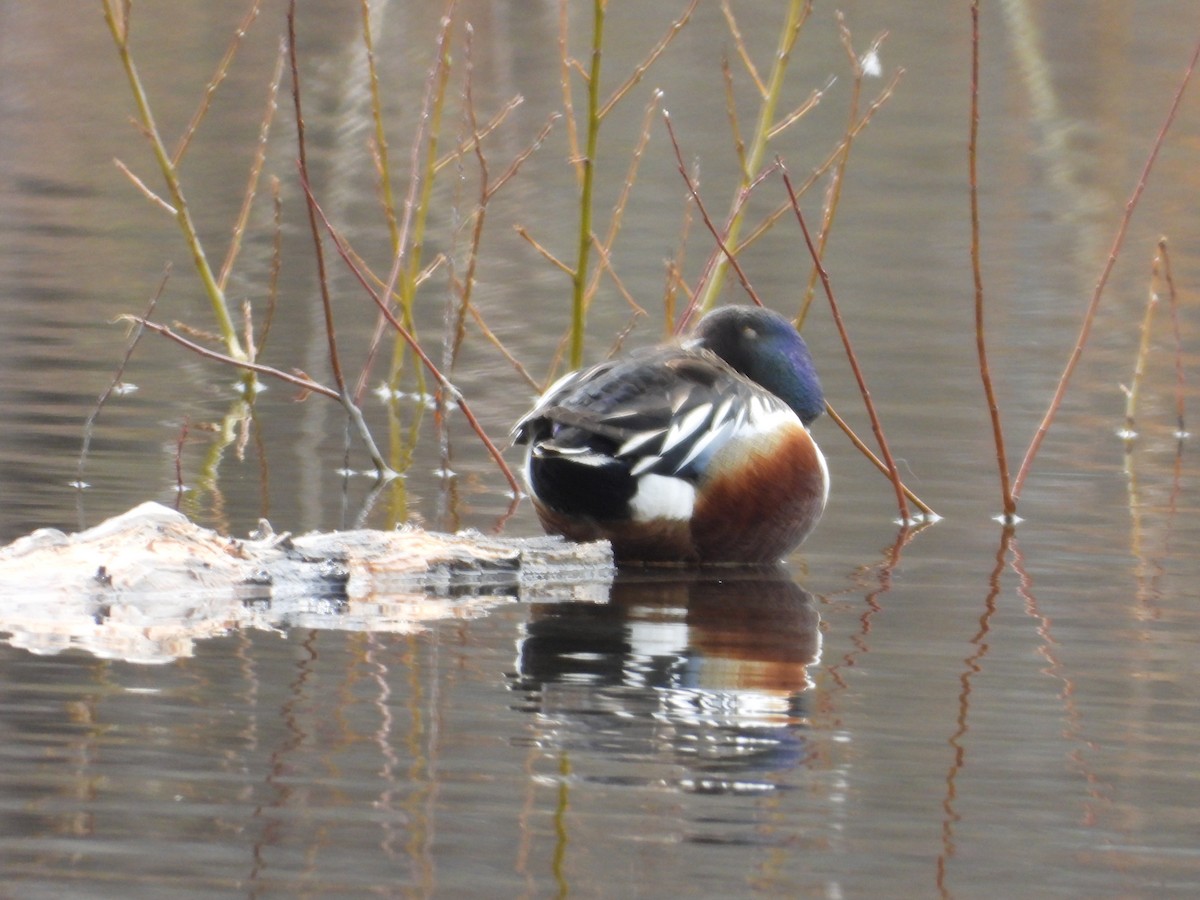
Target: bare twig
(467,284)
(743,53)
(276,263)
(718,253)
(1090,316)
(468,145)
(876,426)
(519,160)
(798,12)
(735,127)
(215,82)
(651,58)
(417,205)
(335,364)
(675,284)
(1160,278)
(406,253)
(568,64)
(180,441)
(118,20)
(1173,298)
(1133,389)
(878,463)
(301,381)
(256,167)
(675,280)
(197,334)
(488,187)
(614,223)
(834,193)
(90,423)
(354,413)
(722,240)
(380,300)
(834,155)
(145,188)
(543,251)
(606,266)
(248,331)
(498,344)
(1008,498)
(384,169)
(798,113)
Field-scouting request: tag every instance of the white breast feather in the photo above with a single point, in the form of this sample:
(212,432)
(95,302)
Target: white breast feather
(765,417)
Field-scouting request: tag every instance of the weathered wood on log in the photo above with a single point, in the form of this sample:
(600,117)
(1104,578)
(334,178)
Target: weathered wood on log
(145,584)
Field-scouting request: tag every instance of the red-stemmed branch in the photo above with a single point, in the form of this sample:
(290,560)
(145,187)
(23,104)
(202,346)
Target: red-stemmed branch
(892,472)
(1008,498)
(382,469)
(1090,315)
(694,193)
(380,301)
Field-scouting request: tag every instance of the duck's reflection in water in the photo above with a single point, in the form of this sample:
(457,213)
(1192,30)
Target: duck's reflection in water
(703,672)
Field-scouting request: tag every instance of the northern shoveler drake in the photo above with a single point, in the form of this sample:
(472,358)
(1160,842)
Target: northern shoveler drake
(693,451)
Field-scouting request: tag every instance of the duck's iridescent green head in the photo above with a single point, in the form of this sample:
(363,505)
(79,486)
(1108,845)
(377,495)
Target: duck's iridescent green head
(766,348)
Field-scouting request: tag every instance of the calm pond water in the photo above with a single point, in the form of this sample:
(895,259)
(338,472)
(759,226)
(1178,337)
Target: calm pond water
(953,711)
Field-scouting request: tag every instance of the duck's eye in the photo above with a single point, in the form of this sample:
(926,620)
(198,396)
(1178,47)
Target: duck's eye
(749,333)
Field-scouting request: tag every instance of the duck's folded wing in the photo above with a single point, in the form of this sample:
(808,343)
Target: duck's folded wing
(663,413)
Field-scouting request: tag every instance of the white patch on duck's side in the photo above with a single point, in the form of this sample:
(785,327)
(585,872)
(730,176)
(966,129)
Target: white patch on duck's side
(662,497)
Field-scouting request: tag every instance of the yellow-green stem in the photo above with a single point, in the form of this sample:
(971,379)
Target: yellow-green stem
(381,144)
(182,214)
(579,295)
(797,12)
(1139,363)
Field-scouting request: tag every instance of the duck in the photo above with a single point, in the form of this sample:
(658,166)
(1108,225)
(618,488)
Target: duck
(696,451)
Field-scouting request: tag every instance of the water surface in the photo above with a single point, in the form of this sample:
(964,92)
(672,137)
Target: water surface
(952,711)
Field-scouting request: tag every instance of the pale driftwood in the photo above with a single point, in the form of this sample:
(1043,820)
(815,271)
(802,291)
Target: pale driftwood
(146,584)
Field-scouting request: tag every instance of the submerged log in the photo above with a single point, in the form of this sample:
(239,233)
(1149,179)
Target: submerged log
(145,584)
